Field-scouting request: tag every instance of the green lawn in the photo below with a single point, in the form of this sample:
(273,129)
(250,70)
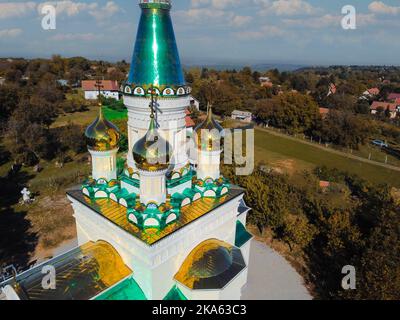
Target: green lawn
(280,150)
(86,117)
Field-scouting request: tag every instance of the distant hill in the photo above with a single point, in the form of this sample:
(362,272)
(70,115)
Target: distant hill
(256,66)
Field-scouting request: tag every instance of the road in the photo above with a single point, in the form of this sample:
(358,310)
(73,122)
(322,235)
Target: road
(271,277)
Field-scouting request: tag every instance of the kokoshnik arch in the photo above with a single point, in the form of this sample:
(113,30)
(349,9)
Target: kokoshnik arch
(165,226)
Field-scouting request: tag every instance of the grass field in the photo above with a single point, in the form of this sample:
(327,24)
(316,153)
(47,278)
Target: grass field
(86,117)
(291,155)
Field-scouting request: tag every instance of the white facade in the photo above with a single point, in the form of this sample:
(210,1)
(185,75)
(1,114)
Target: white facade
(92,95)
(104,164)
(154,267)
(244,116)
(153,187)
(209,165)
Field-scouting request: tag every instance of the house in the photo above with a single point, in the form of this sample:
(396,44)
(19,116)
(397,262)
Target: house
(62,82)
(324,112)
(109,89)
(378,106)
(324,185)
(393,97)
(265,82)
(189,124)
(244,116)
(2,80)
(332,89)
(194,103)
(370,93)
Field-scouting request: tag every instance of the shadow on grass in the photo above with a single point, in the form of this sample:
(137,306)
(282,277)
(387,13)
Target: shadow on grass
(17,241)
(4,155)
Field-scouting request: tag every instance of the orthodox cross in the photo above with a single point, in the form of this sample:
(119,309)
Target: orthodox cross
(99,86)
(153,103)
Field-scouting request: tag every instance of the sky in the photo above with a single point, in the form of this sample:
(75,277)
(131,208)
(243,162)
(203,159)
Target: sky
(211,31)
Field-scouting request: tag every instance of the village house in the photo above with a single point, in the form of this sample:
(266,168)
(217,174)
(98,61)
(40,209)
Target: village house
(332,89)
(394,97)
(370,93)
(244,116)
(109,89)
(266,82)
(194,103)
(378,107)
(323,112)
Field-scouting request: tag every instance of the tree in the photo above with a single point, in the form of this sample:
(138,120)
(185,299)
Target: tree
(296,113)
(9,100)
(298,231)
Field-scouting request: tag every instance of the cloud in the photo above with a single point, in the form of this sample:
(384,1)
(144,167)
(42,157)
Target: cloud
(75,37)
(379,7)
(217,4)
(13,10)
(10,33)
(107,11)
(214,16)
(286,7)
(72,8)
(327,20)
(265,31)
(239,21)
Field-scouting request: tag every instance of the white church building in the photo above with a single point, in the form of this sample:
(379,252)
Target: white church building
(160,227)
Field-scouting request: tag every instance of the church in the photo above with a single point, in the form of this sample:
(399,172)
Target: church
(163,224)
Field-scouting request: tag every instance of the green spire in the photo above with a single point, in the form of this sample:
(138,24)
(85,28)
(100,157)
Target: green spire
(155,58)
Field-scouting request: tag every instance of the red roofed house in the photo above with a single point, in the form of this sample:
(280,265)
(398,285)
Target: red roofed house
(393,97)
(372,92)
(324,185)
(323,112)
(109,89)
(378,106)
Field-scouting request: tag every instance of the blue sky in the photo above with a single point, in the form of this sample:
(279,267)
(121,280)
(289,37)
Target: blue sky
(212,31)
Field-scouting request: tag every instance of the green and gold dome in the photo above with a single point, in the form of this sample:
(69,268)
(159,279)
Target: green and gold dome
(152,152)
(155,59)
(102,135)
(209,133)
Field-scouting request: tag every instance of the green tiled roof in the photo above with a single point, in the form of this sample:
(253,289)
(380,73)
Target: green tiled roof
(242,235)
(126,290)
(175,294)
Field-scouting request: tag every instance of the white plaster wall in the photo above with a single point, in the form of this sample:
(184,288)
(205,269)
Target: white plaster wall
(171,119)
(154,267)
(92,95)
(104,164)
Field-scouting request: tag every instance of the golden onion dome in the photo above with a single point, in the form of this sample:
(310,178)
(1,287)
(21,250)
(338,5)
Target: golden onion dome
(211,265)
(209,133)
(152,152)
(102,135)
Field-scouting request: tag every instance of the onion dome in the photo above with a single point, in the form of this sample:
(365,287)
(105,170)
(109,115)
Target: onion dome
(102,135)
(212,132)
(152,152)
(211,265)
(155,59)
